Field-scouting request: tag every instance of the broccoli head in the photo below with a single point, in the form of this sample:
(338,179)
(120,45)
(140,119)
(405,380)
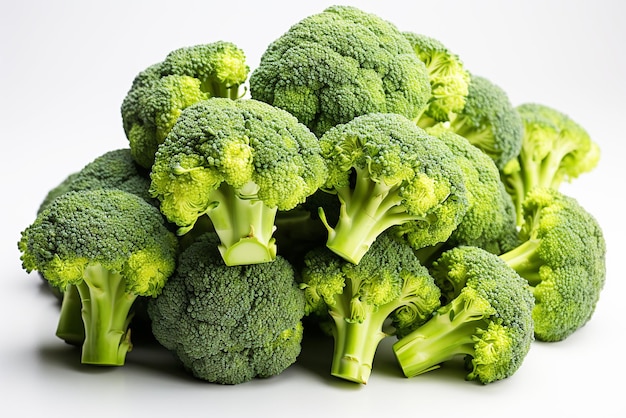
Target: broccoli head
(237,161)
(113,247)
(338,64)
(355,301)
(485,317)
(386,171)
(489,121)
(160,92)
(229,324)
(449,80)
(562,255)
(554,149)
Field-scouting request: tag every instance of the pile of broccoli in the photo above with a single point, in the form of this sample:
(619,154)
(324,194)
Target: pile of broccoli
(360,184)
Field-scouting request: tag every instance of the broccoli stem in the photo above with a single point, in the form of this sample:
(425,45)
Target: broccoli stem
(245,227)
(70,327)
(355,346)
(441,338)
(106,313)
(525,260)
(367,209)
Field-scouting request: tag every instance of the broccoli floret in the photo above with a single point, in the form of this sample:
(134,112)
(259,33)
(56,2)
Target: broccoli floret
(186,75)
(562,255)
(386,171)
(112,170)
(449,80)
(229,324)
(341,63)
(490,221)
(485,317)
(554,149)
(237,161)
(113,247)
(489,121)
(355,301)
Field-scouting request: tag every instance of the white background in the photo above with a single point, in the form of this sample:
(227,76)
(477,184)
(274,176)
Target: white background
(65,68)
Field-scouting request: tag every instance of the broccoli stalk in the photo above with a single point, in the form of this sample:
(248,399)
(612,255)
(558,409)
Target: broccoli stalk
(451,332)
(244,225)
(70,327)
(106,313)
(367,209)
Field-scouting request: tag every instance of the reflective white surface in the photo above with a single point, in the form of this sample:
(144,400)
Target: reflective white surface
(64,70)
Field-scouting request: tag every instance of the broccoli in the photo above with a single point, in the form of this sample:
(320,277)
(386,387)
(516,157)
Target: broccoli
(490,221)
(386,171)
(238,162)
(489,121)
(160,92)
(338,64)
(449,80)
(485,317)
(355,301)
(562,255)
(229,324)
(114,169)
(554,148)
(112,246)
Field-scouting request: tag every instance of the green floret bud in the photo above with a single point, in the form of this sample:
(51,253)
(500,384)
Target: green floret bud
(238,162)
(186,76)
(449,80)
(229,324)
(485,318)
(554,149)
(341,63)
(562,256)
(355,301)
(489,121)
(113,247)
(388,172)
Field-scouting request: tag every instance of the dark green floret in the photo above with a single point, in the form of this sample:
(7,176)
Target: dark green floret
(229,324)
(113,247)
(160,92)
(386,172)
(562,255)
(338,64)
(237,161)
(355,301)
(485,318)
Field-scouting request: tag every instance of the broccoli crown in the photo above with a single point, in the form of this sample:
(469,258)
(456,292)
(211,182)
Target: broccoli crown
(489,121)
(112,170)
(160,92)
(554,149)
(490,221)
(485,316)
(388,283)
(102,227)
(229,324)
(449,80)
(387,171)
(562,255)
(341,63)
(261,151)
